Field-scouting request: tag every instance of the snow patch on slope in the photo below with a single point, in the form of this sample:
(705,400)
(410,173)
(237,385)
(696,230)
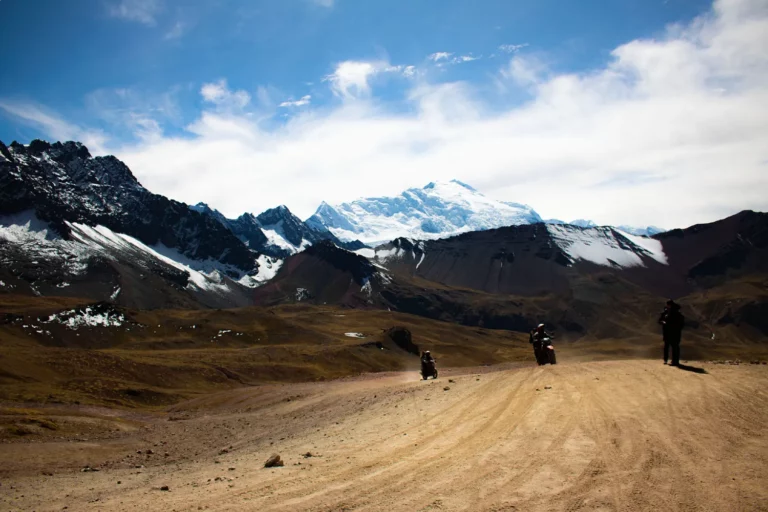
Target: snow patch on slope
(268,267)
(421,260)
(25,228)
(88,317)
(653,247)
(100,237)
(388,254)
(605,246)
(277,239)
(366,252)
(34,236)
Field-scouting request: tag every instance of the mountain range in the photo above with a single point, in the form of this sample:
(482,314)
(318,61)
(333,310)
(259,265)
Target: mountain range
(75,225)
(438,210)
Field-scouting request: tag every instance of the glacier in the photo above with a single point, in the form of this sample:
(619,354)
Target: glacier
(437,210)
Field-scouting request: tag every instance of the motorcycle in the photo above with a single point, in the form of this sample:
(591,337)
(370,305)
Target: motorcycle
(544,351)
(428,369)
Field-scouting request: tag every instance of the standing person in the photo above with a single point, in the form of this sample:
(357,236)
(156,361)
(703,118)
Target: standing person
(672,322)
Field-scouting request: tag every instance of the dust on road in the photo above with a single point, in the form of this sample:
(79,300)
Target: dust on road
(619,435)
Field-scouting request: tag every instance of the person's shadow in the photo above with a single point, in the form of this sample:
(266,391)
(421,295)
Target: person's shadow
(694,369)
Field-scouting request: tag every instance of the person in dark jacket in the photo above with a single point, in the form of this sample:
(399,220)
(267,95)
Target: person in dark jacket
(536,338)
(672,322)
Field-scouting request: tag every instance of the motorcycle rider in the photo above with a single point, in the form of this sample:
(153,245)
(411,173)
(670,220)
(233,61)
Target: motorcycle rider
(427,362)
(537,337)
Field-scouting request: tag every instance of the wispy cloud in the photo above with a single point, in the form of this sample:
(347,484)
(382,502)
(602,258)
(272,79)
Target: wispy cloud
(220,95)
(525,71)
(323,3)
(443,58)
(438,56)
(304,100)
(512,48)
(141,11)
(176,31)
(464,58)
(142,114)
(53,125)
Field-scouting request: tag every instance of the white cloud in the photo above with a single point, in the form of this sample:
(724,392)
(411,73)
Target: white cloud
(525,71)
(220,95)
(512,48)
(672,131)
(438,56)
(53,125)
(409,71)
(464,58)
(145,128)
(351,79)
(141,11)
(304,100)
(443,58)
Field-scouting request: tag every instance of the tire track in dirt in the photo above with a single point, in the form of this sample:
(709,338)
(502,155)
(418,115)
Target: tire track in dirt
(468,407)
(619,435)
(477,405)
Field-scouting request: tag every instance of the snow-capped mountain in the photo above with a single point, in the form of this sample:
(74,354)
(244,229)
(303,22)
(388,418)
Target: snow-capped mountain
(647,231)
(62,183)
(438,210)
(642,231)
(74,224)
(582,223)
(276,232)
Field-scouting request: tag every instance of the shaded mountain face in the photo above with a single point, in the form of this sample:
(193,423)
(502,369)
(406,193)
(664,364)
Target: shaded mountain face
(535,259)
(97,263)
(710,254)
(61,182)
(522,260)
(434,211)
(247,228)
(326,273)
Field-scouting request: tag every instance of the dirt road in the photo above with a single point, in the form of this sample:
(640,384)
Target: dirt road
(621,435)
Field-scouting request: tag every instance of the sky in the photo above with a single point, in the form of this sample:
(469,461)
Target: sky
(635,112)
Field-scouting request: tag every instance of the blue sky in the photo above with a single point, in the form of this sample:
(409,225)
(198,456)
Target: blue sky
(325,92)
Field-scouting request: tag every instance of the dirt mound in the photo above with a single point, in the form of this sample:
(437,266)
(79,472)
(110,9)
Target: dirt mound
(403,339)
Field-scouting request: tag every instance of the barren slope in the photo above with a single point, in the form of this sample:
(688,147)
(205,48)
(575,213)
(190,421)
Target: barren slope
(618,435)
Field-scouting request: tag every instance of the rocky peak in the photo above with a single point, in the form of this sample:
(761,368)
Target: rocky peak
(63,182)
(286,223)
(275,215)
(207,210)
